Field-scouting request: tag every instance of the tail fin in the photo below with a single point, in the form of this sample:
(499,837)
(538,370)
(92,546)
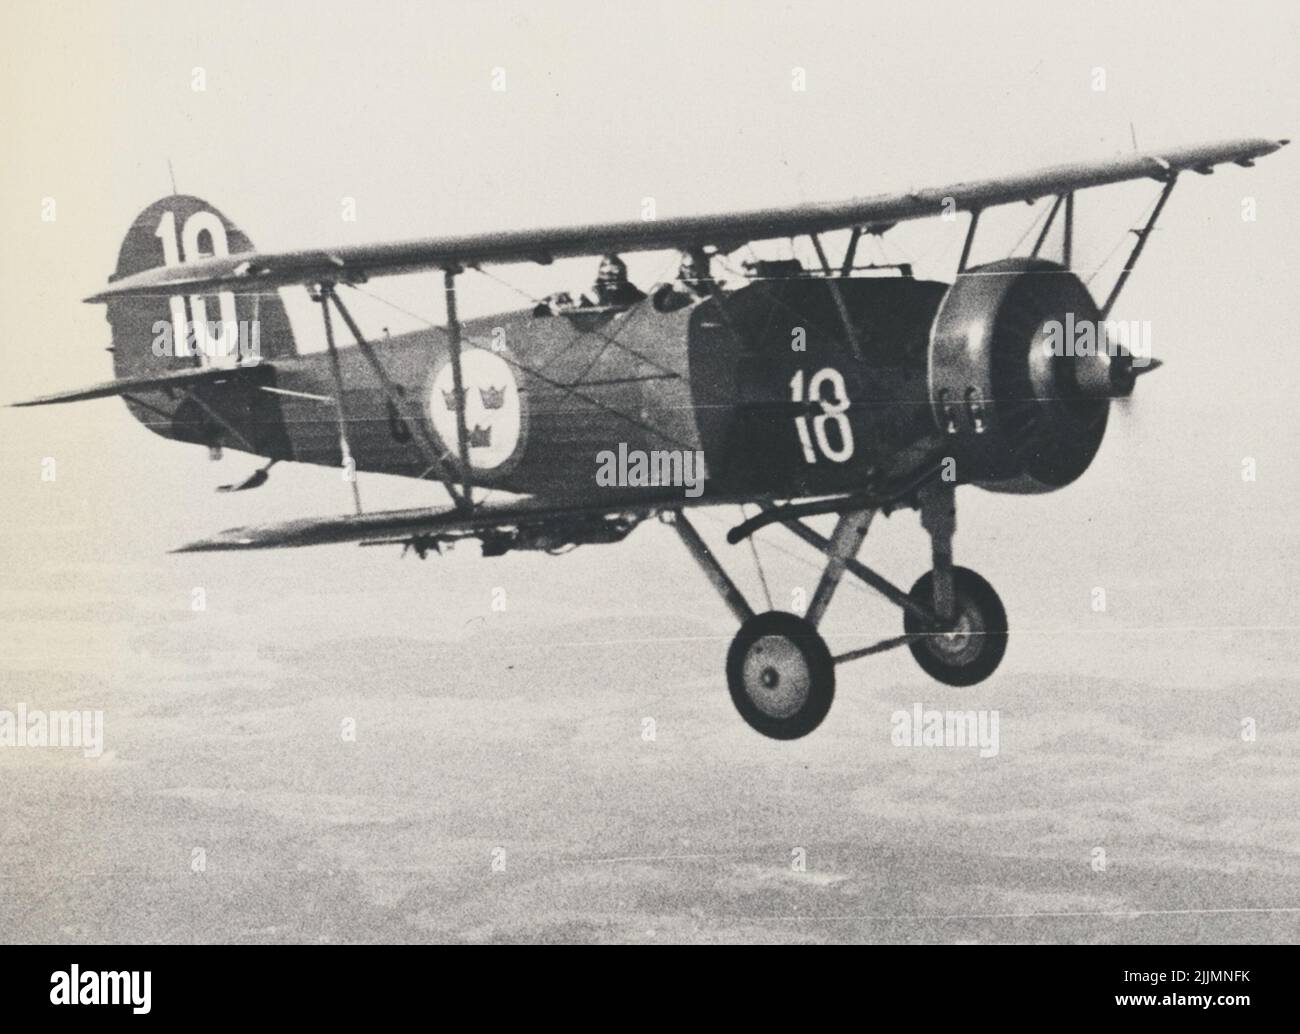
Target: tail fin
(158,335)
(163,346)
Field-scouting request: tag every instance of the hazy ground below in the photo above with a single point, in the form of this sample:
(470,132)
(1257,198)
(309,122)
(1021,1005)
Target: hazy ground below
(518,737)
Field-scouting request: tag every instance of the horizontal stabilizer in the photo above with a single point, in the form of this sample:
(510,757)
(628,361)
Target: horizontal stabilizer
(179,379)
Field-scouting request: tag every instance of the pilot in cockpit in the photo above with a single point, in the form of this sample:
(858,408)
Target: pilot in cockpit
(612,288)
(694,283)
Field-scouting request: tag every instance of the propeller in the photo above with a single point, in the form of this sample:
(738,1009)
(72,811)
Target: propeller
(1101,375)
(1125,401)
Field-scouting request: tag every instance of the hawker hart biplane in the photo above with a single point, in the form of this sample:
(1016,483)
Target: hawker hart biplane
(807,391)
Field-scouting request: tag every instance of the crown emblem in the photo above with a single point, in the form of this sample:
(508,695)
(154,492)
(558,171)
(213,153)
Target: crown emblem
(493,398)
(450,398)
(480,437)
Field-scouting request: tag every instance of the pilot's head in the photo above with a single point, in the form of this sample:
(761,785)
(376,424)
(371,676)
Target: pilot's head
(612,272)
(688,269)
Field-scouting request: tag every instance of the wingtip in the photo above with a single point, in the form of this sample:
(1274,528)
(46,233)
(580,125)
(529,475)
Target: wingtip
(102,295)
(219,544)
(42,400)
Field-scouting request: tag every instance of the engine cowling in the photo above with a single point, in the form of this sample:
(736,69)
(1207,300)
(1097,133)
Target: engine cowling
(1014,386)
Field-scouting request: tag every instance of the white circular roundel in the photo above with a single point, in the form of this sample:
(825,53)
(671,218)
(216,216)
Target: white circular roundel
(494,416)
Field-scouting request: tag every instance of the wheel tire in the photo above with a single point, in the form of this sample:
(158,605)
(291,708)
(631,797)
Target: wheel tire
(781,675)
(973,650)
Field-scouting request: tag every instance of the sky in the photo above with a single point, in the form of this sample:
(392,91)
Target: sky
(305,106)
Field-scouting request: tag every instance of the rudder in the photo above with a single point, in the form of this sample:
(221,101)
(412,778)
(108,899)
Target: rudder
(157,334)
(160,334)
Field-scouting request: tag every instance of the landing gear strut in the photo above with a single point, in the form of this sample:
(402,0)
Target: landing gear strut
(781,673)
(966,643)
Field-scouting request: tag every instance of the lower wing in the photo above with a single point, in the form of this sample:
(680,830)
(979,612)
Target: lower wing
(520,524)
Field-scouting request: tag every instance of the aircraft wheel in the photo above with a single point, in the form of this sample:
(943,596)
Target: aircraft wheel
(781,675)
(972,649)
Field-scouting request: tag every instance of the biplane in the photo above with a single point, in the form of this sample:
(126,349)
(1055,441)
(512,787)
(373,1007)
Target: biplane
(831,389)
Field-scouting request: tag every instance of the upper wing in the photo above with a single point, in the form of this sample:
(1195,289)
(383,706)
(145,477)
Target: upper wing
(254,271)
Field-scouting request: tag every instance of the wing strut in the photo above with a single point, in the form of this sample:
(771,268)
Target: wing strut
(1067,242)
(850,331)
(1141,243)
(851,251)
(458,381)
(425,442)
(1047,226)
(970,240)
(345,448)
(1067,237)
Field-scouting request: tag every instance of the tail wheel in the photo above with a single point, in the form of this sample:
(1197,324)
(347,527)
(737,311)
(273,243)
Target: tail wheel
(781,675)
(971,648)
